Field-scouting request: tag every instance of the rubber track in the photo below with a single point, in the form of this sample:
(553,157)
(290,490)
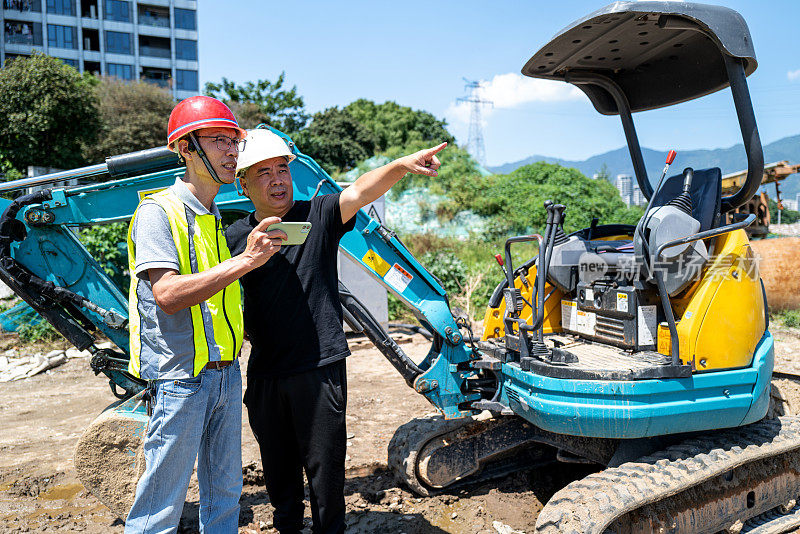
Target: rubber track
(592,504)
(409,440)
(773,522)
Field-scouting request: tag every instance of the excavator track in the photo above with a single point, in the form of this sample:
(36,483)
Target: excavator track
(432,454)
(702,485)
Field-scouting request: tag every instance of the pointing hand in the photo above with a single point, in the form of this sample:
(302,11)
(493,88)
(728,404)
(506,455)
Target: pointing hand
(423,162)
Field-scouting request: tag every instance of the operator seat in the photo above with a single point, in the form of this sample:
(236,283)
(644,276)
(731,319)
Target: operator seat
(706,196)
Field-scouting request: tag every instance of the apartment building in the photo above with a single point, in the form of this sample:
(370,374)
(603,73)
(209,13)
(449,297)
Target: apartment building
(152,40)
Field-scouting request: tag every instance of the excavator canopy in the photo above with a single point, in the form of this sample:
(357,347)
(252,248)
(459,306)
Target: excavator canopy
(658,53)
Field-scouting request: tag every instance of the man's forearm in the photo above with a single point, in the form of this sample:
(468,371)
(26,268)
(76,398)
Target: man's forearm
(369,187)
(174,292)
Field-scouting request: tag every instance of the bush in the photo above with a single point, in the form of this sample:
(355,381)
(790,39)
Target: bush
(34,331)
(107,245)
(447,267)
(790,318)
(515,201)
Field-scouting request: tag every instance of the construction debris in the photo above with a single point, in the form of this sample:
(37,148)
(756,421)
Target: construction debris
(502,528)
(15,368)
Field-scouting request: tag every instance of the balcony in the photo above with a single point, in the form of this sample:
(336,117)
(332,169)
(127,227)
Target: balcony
(159,77)
(154,47)
(154,16)
(23,6)
(23,33)
(89,9)
(91,40)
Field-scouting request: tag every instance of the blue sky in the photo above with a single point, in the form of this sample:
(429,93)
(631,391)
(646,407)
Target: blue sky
(417,54)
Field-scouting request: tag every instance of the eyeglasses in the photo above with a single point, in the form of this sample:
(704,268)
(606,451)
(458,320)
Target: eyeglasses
(224,142)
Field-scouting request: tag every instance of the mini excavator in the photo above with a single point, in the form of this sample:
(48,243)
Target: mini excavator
(643,350)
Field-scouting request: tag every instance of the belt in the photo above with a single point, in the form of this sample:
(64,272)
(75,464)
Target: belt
(218,365)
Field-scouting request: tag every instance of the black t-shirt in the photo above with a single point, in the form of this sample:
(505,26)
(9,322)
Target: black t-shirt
(292,312)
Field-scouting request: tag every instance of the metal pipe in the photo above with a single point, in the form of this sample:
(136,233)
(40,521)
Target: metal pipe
(659,276)
(83,172)
(705,235)
(750,137)
(544,264)
(508,260)
(624,110)
(673,328)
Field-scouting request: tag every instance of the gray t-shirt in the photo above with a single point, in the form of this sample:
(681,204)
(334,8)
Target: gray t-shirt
(155,248)
(167,341)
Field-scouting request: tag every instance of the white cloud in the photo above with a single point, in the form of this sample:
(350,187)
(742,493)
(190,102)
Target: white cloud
(793,75)
(506,91)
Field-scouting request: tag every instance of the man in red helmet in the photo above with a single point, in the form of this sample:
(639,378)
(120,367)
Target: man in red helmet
(186,326)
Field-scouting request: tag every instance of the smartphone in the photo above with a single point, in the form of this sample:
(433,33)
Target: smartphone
(296,232)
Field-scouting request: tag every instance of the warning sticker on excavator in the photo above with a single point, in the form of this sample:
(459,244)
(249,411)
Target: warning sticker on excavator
(622,302)
(398,278)
(375,262)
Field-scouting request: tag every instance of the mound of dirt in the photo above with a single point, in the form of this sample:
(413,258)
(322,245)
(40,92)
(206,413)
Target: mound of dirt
(779,260)
(109,459)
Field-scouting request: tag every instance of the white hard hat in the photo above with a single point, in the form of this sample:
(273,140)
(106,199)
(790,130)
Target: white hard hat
(261,144)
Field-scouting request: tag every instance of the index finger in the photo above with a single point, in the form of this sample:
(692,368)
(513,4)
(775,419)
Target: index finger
(436,149)
(266,221)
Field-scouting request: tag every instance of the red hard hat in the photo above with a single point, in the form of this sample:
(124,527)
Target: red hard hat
(199,112)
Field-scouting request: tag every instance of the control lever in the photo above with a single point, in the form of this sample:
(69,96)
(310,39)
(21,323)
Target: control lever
(643,223)
(684,200)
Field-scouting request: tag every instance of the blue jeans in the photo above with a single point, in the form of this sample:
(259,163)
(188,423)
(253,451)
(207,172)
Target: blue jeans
(196,418)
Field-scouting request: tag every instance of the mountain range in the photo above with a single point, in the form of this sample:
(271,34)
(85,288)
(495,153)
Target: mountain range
(728,159)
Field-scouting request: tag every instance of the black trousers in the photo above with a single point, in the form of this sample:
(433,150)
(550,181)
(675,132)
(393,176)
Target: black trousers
(299,423)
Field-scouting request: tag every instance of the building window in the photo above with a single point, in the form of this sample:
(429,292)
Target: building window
(159,77)
(23,5)
(118,43)
(21,32)
(123,72)
(71,62)
(117,10)
(185,19)
(61,7)
(154,16)
(187,80)
(154,46)
(62,36)
(185,49)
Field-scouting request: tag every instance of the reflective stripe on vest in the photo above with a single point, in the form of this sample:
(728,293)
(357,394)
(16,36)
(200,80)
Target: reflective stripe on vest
(201,244)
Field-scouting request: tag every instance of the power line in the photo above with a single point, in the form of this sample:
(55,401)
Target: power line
(475,144)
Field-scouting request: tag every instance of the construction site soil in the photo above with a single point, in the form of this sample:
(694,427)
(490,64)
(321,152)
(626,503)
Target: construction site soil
(42,417)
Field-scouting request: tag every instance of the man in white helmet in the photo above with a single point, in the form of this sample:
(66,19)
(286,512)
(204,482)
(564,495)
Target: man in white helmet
(296,381)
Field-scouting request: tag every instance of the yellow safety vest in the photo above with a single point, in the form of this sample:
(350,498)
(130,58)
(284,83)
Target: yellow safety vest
(200,247)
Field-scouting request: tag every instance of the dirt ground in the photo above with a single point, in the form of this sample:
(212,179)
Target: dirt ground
(42,417)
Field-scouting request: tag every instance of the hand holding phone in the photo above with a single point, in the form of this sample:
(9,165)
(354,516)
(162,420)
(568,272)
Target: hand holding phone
(296,232)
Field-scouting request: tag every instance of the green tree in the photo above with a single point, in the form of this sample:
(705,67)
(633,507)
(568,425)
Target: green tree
(133,117)
(336,140)
(396,125)
(7,170)
(48,112)
(280,108)
(515,201)
(603,173)
(787,216)
(458,178)
(107,243)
